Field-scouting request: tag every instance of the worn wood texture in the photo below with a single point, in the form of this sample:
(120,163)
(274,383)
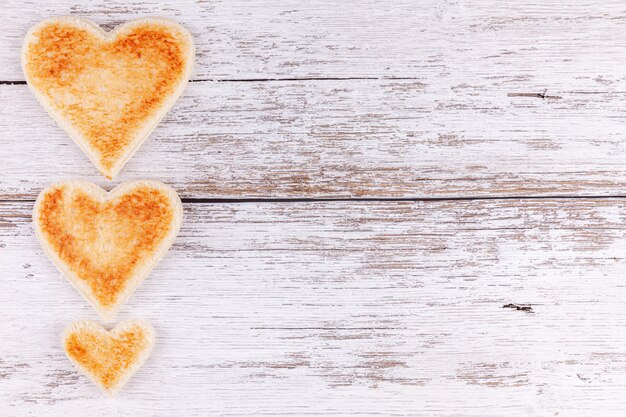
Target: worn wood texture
(475,43)
(503,98)
(371,308)
(466,307)
(275,39)
(355,138)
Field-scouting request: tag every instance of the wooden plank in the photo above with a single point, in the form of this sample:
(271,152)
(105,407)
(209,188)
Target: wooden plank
(524,45)
(345,309)
(356,138)
(240,39)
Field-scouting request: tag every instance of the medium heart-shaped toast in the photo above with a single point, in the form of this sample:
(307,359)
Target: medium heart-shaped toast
(108,90)
(109,358)
(107,243)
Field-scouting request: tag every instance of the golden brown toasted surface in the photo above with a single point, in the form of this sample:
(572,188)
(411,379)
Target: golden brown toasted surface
(106,356)
(107,89)
(104,243)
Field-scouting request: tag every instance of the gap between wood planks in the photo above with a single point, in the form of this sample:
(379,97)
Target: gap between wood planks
(215,200)
(388,199)
(254,80)
(542,95)
(392,199)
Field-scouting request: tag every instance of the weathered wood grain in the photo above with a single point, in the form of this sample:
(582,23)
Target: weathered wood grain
(356,138)
(483,44)
(345,309)
(240,39)
(447,308)
(507,99)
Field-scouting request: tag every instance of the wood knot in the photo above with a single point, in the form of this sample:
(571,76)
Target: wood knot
(519,307)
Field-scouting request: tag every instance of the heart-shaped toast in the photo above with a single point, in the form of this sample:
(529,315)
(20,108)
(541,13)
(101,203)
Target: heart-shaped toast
(107,243)
(108,90)
(109,358)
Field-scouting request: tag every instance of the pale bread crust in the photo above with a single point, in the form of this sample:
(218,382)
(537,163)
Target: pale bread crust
(107,313)
(149,125)
(77,326)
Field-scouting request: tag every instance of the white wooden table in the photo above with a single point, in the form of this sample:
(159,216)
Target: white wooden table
(366,185)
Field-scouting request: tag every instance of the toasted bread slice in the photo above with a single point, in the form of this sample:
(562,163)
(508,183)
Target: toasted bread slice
(107,243)
(108,90)
(109,358)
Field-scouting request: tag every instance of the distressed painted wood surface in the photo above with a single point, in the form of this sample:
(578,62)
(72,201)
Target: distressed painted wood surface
(497,99)
(345,308)
(459,307)
(502,99)
(480,43)
(354,138)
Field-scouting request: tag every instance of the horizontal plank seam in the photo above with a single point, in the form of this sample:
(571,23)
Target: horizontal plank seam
(328,328)
(254,80)
(541,95)
(388,199)
(370,199)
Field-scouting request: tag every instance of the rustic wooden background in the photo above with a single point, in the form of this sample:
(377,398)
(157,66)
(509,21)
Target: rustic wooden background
(406,208)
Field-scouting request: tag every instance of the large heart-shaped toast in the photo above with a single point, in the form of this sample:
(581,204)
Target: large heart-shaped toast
(108,90)
(107,243)
(109,358)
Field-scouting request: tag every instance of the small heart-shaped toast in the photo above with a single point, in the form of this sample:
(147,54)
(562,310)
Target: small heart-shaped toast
(108,90)
(109,358)
(107,243)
